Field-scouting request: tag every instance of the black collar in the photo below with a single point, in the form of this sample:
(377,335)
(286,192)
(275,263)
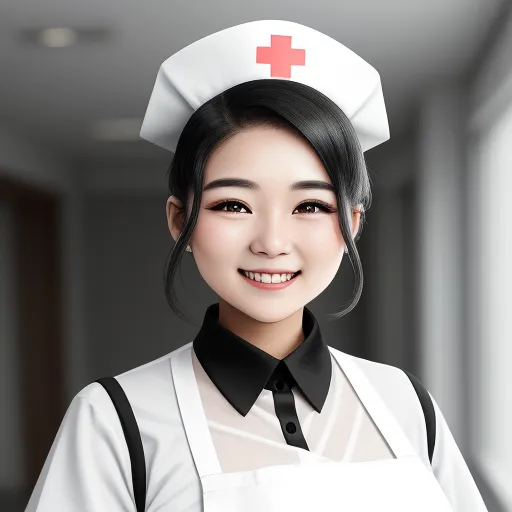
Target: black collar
(241,371)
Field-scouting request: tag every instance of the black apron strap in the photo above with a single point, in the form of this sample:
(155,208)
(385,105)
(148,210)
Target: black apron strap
(134,442)
(133,439)
(428,411)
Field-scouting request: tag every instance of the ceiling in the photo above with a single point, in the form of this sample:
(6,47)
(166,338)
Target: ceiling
(55,96)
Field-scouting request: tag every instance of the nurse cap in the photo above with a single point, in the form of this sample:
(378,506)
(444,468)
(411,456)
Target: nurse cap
(262,50)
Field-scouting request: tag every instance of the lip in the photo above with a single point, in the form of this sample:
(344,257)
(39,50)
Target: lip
(271,286)
(270,271)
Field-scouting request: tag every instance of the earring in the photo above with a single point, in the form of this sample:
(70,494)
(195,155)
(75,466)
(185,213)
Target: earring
(188,249)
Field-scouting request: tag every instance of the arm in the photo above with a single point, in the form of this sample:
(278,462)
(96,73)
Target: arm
(451,470)
(88,467)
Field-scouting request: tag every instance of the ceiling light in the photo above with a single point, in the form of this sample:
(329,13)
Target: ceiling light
(57,37)
(124,129)
(63,37)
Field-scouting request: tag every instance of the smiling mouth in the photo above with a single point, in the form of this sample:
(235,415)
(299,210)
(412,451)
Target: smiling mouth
(268,278)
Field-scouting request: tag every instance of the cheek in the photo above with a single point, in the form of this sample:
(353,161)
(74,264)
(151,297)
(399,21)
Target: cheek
(215,243)
(323,238)
(212,234)
(322,246)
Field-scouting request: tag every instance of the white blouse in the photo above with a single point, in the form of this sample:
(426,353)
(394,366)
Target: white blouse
(88,467)
(342,431)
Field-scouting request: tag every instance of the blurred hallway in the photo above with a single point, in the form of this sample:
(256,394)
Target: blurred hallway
(83,233)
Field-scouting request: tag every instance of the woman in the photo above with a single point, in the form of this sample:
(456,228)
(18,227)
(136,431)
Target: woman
(269,121)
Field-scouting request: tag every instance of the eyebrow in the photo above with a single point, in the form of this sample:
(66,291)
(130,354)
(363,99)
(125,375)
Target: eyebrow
(242,183)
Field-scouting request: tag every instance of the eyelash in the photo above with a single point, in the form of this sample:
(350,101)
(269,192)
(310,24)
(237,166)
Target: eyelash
(326,208)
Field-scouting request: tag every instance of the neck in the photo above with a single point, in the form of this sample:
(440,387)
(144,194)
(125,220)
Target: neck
(275,338)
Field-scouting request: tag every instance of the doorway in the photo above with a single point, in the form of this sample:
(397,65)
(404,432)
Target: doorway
(35,307)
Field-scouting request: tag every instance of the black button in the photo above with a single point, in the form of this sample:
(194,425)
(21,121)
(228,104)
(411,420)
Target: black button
(279,385)
(291,428)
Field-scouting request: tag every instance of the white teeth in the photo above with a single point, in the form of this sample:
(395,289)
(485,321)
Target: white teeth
(268,278)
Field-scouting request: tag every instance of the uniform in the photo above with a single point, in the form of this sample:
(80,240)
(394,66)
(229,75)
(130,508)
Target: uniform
(219,425)
(207,447)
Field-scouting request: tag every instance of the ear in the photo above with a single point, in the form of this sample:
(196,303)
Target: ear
(356,219)
(175,216)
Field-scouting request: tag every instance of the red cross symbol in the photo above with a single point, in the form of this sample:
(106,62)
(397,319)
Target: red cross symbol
(280,56)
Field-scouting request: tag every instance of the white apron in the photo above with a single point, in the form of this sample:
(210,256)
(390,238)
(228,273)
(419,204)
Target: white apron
(403,484)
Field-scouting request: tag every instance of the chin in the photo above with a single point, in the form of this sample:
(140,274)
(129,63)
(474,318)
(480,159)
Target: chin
(268,311)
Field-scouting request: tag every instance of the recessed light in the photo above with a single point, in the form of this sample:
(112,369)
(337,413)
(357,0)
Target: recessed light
(63,37)
(118,130)
(57,37)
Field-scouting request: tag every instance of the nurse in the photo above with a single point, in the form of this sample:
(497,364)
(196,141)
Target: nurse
(268,121)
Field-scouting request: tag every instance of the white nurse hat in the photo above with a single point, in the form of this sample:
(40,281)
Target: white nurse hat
(261,50)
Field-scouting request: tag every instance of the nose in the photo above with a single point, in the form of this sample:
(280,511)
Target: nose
(272,237)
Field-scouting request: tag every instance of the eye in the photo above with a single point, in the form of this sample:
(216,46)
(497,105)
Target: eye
(310,206)
(230,207)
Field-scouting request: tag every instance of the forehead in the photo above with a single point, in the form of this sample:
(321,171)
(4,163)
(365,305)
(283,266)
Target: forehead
(266,155)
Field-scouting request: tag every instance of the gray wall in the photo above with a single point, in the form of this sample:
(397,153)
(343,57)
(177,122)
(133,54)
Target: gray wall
(388,253)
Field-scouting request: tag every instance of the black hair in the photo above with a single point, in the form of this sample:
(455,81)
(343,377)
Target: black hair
(275,103)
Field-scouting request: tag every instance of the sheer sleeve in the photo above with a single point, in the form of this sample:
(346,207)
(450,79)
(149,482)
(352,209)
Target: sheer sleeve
(88,467)
(451,470)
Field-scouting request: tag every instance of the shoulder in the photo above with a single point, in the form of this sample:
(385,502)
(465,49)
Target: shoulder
(397,392)
(391,382)
(90,458)
(152,398)
(149,389)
